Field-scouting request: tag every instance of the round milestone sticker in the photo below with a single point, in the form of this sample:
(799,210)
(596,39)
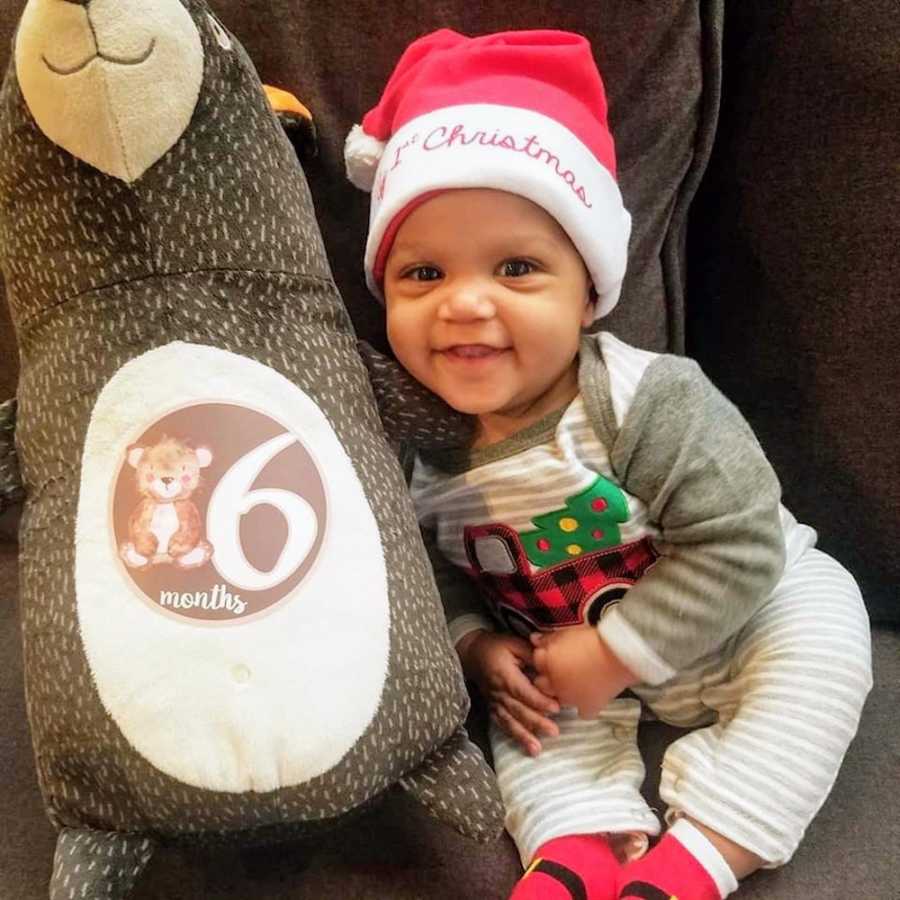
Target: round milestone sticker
(218,513)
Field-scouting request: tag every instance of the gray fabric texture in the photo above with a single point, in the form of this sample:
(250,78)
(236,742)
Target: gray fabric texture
(690,456)
(11,490)
(98,864)
(409,413)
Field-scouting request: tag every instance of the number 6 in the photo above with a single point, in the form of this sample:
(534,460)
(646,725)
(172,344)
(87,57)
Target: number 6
(233,497)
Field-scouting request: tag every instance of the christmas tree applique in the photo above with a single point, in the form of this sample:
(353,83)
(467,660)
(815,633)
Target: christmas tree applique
(589,521)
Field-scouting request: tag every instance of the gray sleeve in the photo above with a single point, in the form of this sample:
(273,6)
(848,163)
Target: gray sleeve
(687,452)
(464,609)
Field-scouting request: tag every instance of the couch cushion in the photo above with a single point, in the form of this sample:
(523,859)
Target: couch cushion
(795,271)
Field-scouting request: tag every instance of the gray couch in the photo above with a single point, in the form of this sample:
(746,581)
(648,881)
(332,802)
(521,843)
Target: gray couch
(758,150)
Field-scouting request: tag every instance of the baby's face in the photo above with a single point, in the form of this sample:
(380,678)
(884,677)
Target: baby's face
(486,297)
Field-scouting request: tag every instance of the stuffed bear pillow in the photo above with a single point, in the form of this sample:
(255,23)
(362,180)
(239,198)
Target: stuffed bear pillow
(230,624)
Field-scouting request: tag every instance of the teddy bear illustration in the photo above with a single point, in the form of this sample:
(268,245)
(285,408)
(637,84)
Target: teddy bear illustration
(165,527)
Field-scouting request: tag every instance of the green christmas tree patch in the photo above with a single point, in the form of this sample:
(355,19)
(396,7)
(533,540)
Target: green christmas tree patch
(589,521)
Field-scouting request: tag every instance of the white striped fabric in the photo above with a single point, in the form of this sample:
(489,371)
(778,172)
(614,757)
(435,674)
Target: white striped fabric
(585,781)
(780,702)
(788,694)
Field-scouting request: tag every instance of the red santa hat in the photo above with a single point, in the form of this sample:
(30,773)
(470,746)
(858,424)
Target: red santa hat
(518,111)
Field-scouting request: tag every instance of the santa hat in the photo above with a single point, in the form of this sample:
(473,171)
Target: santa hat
(518,111)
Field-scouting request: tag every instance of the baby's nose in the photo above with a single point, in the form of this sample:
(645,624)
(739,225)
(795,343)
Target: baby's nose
(468,300)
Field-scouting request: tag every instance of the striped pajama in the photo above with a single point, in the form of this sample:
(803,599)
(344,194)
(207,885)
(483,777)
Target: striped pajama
(774,707)
(779,705)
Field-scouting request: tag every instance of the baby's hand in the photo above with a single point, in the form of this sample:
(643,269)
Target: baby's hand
(575,666)
(495,662)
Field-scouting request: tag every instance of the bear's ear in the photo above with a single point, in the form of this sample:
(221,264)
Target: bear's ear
(134,456)
(204,456)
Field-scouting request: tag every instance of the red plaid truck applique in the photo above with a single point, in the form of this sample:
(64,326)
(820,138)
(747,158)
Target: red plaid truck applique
(568,593)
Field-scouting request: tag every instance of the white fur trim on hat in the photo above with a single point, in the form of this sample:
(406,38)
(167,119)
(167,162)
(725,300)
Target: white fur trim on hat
(362,153)
(507,149)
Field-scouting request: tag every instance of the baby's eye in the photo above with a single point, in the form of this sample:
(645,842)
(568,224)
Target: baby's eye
(423,273)
(516,268)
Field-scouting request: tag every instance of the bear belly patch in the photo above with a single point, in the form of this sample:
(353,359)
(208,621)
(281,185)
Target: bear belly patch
(163,525)
(227,636)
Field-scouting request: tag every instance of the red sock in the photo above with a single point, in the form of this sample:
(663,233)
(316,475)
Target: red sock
(576,867)
(668,872)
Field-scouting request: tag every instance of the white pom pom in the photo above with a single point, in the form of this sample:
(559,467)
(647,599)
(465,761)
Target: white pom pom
(362,153)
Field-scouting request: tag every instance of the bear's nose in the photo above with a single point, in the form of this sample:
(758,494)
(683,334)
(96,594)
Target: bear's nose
(167,480)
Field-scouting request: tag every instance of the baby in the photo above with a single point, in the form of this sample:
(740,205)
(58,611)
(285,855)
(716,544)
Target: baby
(619,529)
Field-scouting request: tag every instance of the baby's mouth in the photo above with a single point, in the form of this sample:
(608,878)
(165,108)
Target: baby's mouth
(473,351)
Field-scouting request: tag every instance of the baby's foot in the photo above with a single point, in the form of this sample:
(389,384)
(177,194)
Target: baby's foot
(576,867)
(672,870)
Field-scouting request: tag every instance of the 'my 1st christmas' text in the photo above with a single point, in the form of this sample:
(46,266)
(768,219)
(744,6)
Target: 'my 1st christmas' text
(443,137)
